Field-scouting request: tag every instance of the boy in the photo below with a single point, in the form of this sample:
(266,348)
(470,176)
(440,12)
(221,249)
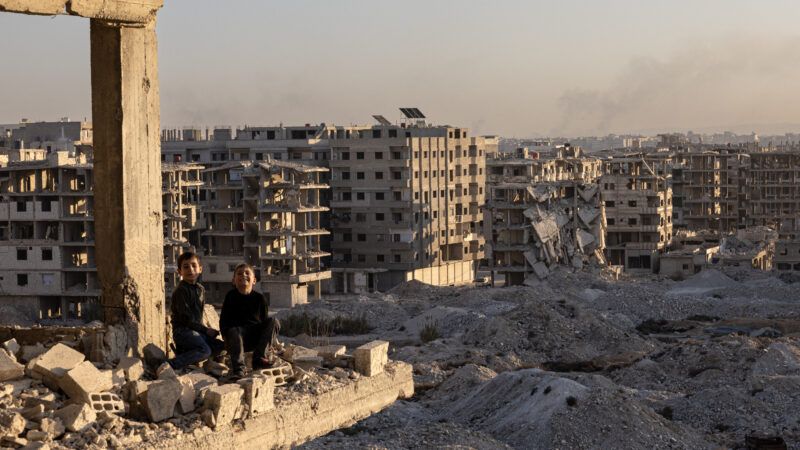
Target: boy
(245,324)
(194,341)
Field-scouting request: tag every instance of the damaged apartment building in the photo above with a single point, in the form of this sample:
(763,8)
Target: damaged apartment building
(637,196)
(542,211)
(406,205)
(268,214)
(47,243)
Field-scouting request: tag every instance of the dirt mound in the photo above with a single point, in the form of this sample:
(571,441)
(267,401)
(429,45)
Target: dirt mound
(705,282)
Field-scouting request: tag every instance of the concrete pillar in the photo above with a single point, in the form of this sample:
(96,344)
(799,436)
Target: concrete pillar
(127,166)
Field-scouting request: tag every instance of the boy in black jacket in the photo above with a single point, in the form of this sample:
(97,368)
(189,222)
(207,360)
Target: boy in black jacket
(245,324)
(194,342)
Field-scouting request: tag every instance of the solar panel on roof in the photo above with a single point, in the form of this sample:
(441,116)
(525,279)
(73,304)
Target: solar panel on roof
(417,113)
(407,112)
(382,120)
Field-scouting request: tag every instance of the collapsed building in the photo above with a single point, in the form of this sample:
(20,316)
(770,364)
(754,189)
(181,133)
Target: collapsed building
(268,214)
(180,189)
(543,212)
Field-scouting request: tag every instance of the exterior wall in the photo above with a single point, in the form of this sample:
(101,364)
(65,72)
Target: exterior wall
(787,256)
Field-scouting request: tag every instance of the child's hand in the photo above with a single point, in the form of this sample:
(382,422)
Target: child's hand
(212,332)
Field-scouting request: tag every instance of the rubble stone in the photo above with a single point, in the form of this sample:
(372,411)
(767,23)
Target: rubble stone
(13,441)
(57,361)
(330,352)
(10,369)
(166,372)
(133,368)
(160,399)
(259,393)
(53,427)
(296,351)
(12,347)
(188,395)
(29,352)
(13,422)
(76,417)
(308,362)
(36,435)
(370,358)
(34,412)
(82,380)
(19,385)
(199,380)
(224,401)
(153,355)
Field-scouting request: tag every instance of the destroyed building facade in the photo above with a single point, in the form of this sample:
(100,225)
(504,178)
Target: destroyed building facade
(406,205)
(637,197)
(268,214)
(542,211)
(180,187)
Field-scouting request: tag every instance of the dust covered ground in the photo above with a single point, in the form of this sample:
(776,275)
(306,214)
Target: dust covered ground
(583,361)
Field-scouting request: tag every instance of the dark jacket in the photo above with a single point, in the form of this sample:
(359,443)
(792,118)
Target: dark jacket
(239,310)
(188,303)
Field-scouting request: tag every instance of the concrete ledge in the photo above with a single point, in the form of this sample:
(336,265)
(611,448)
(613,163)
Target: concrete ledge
(133,11)
(308,416)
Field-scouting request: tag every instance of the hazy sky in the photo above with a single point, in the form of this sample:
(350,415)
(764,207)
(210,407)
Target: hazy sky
(514,68)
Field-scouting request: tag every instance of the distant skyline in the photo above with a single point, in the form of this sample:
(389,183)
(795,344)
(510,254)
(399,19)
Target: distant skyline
(513,68)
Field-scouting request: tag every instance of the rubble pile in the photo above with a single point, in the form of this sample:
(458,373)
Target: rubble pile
(53,397)
(583,361)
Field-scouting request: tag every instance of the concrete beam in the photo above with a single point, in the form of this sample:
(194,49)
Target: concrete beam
(127,172)
(129,11)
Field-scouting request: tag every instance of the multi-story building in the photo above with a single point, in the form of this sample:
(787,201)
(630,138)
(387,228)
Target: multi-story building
(638,206)
(773,197)
(180,188)
(542,211)
(268,214)
(407,200)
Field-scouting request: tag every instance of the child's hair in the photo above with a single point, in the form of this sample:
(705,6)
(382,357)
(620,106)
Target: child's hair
(187,256)
(244,265)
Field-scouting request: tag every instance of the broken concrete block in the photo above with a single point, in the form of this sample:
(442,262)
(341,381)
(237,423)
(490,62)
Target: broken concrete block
(153,355)
(199,380)
(308,362)
(224,401)
(165,372)
(57,361)
(53,427)
(30,352)
(36,435)
(13,422)
(106,402)
(82,380)
(210,317)
(188,395)
(280,374)
(12,347)
(297,351)
(34,413)
(330,352)
(160,398)
(76,417)
(10,369)
(133,368)
(259,394)
(370,358)
(13,441)
(117,376)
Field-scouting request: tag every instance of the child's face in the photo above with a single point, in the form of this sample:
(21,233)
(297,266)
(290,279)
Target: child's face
(244,279)
(190,270)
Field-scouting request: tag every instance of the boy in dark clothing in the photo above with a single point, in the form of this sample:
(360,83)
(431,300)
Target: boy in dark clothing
(194,341)
(245,324)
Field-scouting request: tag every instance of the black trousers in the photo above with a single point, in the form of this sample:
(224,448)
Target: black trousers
(256,338)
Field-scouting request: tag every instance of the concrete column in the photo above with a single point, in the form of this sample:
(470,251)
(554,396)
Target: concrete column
(127,166)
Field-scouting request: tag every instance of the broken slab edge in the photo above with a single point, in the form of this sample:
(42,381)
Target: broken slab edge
(127,11)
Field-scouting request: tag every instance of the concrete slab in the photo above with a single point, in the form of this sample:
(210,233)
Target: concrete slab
(259,394)
(160,398)
(224,401)
(10,369)
(57,361)
(44,7)
(76,417)
(82,380)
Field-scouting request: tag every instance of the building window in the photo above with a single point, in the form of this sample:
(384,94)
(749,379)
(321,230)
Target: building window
(361,258)
(397,175)
(47,254)
(359,155)
(361,217)
(359,175)
(22,279)
(396,258)
(22,254)
(378,175)
(345,156)
(397,217)
(46,206)
(21,206)
(260,156)
(360,196)
(609,203)
(48,279)
(378,155)
(379,217)
(379,258)
(345,175)
(397,196)
(347,237)
(397,155)
(361,237)
(632,203)
(212,268)
(379,196)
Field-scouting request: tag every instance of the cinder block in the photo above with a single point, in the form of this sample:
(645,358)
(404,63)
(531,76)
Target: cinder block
(160,398)
(10,369)
(224,401)
(259,393)
(280,374)
(106,401)
(57,361)
(76,417)
(331,352)
(82,380)
(133,368)
(370,358)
